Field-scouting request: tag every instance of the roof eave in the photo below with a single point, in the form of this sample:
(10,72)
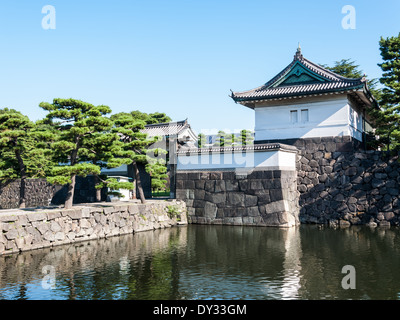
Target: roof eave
(252,100)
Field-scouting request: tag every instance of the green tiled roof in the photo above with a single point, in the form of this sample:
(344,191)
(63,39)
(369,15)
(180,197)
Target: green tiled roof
(300,78)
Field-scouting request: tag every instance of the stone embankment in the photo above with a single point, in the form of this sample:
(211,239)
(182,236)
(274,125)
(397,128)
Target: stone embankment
(260,198)
(347,186)
(28,229)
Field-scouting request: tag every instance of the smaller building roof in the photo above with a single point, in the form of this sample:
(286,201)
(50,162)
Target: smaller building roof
(167,129)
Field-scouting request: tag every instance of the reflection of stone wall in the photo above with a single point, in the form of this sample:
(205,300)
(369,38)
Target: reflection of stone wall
(118,256)
(262,198)
(32,229)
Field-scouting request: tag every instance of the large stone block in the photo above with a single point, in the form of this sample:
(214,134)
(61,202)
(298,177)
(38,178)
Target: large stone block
(220,186)
(193,175)
(250,201)
(198,203)
(253,211)
(210,210)
(189,184)
(235,199)
(55,226)
(273,207)
(11,234)
(231,185)
(263,197)
(276,194)
(36,216)
(199,194)
(53,215)
(215,198)
(215,175)
(199,184)
(256,185)
(182,194)
(209,186)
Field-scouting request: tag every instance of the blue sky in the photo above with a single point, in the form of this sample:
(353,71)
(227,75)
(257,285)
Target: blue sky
(180,57)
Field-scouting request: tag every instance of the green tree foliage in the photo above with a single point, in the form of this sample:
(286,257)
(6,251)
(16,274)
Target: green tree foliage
(388,117)
(221,137)
(104,149)
(201,141)
(230,140)
(158,117)
(151,118)
(135,144)
(74,121)
(349,69)
(23,152)
(158,172)
(246,137)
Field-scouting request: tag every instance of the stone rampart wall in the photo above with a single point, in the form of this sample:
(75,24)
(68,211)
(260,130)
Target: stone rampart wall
(357,187)
(22,230)
(262,198)
(341,183)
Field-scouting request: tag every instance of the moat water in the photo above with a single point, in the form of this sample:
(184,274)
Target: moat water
(212,262)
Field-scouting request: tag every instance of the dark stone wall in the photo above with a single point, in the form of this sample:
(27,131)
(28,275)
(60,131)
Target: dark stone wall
(85,192)
(341,183)
(39,193)
(262,198)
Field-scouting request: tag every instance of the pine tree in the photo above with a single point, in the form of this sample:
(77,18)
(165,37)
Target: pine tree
(349,69)
(158,173)
(156,166)
(151,118)
(201,141)
(135,143)
(388,119)
(23,153)
(75,121)
(158,117)
(220,142)
(104,149)
(246,138)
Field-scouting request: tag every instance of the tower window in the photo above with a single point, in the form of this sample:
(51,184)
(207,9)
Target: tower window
(304,115)
(293,116)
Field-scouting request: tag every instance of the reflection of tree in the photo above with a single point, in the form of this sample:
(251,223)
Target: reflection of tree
(203,261)
(143,265)
(149,263)
(22,292)
(157,277)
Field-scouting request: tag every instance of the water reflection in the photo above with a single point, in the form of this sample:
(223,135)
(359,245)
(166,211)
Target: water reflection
(213,262)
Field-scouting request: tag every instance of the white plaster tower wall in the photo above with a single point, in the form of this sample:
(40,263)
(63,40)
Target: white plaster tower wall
(331,117)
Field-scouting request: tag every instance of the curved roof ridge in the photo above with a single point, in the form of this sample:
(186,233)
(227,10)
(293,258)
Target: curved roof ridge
(328,73)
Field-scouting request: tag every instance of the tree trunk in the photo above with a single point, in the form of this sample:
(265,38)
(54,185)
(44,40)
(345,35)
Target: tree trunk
(98,191)
(70,194)
(22,195)
(138,183)
(69,201)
